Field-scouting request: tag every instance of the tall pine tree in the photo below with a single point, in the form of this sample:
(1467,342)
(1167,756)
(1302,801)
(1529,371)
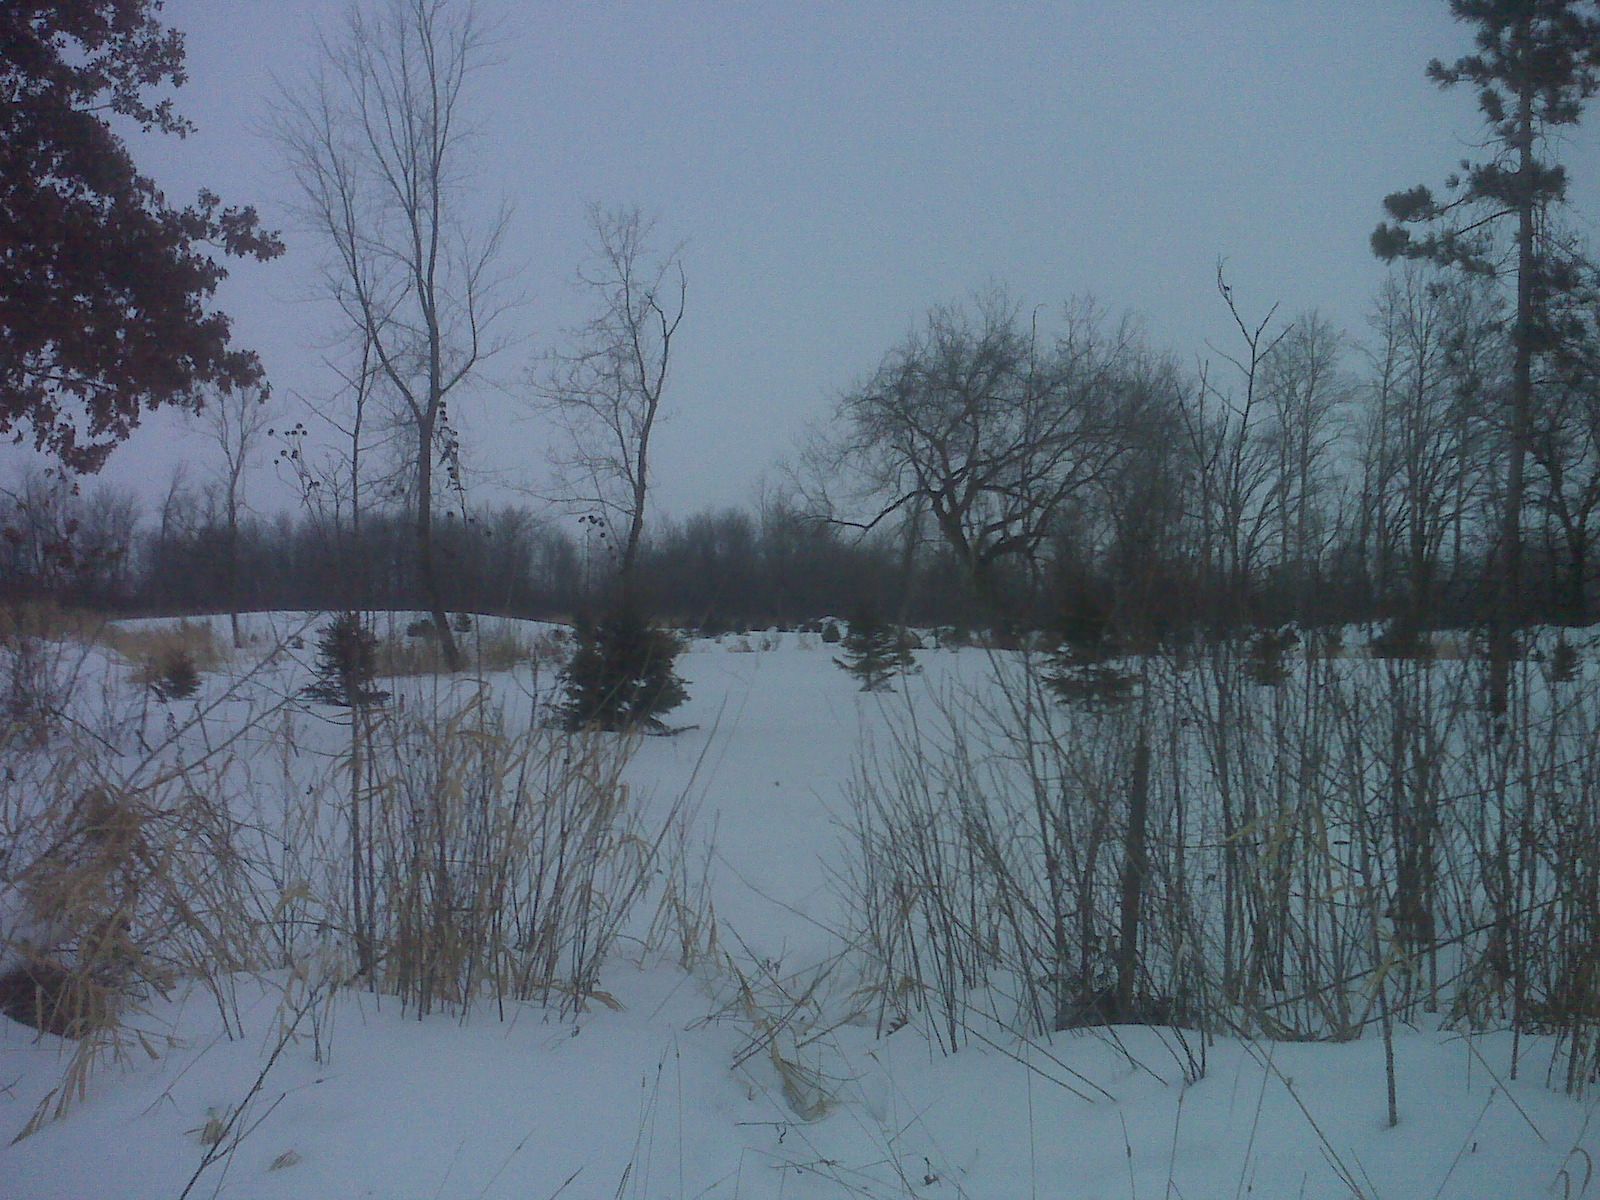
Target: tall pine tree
(1534,68)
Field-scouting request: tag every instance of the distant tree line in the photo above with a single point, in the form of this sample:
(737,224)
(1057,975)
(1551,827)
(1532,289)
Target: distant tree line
(1318,483)
(724,569)
(985,475)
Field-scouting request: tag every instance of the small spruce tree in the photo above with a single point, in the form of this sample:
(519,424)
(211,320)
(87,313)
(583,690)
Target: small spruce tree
(1079,671)
(177,677)
(347,662)
(874,652)
(1564,661)
(621,675)
(1267,661)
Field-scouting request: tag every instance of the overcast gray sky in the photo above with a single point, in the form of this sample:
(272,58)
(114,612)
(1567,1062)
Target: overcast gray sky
(836,169)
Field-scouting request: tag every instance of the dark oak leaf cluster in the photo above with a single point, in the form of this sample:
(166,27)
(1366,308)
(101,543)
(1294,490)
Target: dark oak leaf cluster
(103,284)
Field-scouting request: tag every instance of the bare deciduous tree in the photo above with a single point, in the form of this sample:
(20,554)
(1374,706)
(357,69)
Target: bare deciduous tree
(1565,449)
(1305,392)
(1233,463)
(379,146)
(1426,440)
(606,389)
(970,421)
(236,421)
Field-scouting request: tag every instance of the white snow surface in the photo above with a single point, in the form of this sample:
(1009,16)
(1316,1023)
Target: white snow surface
(663,1099)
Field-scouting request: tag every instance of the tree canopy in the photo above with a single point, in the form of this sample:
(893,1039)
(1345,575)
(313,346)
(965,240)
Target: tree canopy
(973,422)
(103,284)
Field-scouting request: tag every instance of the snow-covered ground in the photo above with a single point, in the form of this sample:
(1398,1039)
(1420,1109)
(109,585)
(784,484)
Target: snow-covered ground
(722,1081)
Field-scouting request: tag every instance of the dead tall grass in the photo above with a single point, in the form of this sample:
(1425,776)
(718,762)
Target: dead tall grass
(509,862)
(49,621)
(469,861)
(152,649)
(114,887)
(486,651)
(476,862)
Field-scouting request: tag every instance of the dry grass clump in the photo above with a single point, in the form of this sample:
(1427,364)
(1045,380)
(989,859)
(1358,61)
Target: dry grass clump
(449,860)
(486,650)
(48,621)
(501,651)
(112,890)
(475,862)
(394,657)
(551,647)
(53,999)
(155,650)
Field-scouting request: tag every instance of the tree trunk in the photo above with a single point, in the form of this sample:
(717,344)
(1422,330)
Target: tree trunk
(1508,599)
(427,569)
(1575,604)
(233,577)
(630,549)
(1134,869)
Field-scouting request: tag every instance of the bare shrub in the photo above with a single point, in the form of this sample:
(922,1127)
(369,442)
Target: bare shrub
(990,863)
(1353,847)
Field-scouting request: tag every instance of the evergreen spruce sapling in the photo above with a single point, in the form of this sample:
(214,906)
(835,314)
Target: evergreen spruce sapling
(874,651)
(621,675)
(177,677)
(1564,661)
(347,662)
(1079,672)
(1267,662)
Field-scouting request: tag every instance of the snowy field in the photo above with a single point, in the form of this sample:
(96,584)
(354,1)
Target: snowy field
(748,1072)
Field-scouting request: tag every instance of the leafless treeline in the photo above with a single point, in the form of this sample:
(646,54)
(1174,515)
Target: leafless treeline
(1005,466)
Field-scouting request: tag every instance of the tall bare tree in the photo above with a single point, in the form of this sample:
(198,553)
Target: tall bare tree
(606,389)
(237,421)
(1304,391)
(380,147)
(1565,449)
(1434,364)
(1233,462)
